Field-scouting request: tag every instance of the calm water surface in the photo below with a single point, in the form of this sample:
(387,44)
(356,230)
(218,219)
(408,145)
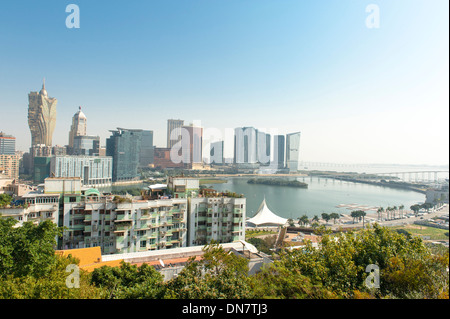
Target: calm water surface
(322,196)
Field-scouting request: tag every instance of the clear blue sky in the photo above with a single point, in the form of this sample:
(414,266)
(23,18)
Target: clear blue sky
(358,95)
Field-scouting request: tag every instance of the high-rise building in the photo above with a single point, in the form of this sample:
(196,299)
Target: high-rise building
(130,149)
(124,146)
(41,168)
(41,117)
(86,145)
(147,153)
(219,218)
(278,151)
(9,166)
(293,151)
(175,126)
(245,151)
(194,153)
(78,128)
(7,144)
(94,171)
(263,147)
(251,147)
(216,153)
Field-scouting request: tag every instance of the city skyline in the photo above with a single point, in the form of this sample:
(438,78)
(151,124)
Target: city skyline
(357,95)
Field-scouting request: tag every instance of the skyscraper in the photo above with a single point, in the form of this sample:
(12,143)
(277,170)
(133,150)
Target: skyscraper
(278,151)
(86,145)
(9,161)
(78,127)
(124,146)
(130,149)
(194,154)
(174,125)
(245,151)
(251,147)
(41,117)
(216,153)
(293,151)
(147,153)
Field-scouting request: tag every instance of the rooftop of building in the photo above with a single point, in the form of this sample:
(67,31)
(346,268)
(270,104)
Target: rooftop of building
(90,258)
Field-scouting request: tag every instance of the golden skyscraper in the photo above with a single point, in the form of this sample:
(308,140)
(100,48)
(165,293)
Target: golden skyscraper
(41,117)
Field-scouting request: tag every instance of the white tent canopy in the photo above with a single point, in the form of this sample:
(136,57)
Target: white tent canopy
(265,217)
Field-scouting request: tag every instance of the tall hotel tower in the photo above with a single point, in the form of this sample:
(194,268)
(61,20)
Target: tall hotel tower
(41,117)
(78,127)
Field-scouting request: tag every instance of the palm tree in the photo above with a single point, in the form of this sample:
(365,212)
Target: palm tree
(354,215)
(363,214)
(388,212)
(304,219)
(315,219)
(380,211)
(394,209)
(326,217)
(334,216)
(401,207)
(415,208)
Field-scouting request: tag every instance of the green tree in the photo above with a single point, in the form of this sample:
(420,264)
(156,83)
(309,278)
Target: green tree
(5,200)
(219,274)
(340,261)
(129,281)
(401,208)
(380,211)
(304,220)
(415,208)
(334,216)
(27,250)
(326,217)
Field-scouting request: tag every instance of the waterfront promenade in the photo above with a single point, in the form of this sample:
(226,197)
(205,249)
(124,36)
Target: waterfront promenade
(346,222)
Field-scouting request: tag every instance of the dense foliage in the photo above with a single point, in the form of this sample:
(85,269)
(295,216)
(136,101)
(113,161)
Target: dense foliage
(277,182)
(29,268)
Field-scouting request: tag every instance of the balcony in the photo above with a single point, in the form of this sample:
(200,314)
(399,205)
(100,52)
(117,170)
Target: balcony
(77,227)
(122,227)
(123,218)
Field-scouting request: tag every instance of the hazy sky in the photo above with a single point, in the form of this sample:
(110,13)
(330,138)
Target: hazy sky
(357,94)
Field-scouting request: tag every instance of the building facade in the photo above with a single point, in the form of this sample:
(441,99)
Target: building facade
(216,153)
(278,151)
(126,225)
(94,171)
(175,126)
(41,117)
(130,149)
(7,144)
(217,218)
(293,151)
(162,159)
(86,145)
(78,128)
(192,150)
(9,166)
